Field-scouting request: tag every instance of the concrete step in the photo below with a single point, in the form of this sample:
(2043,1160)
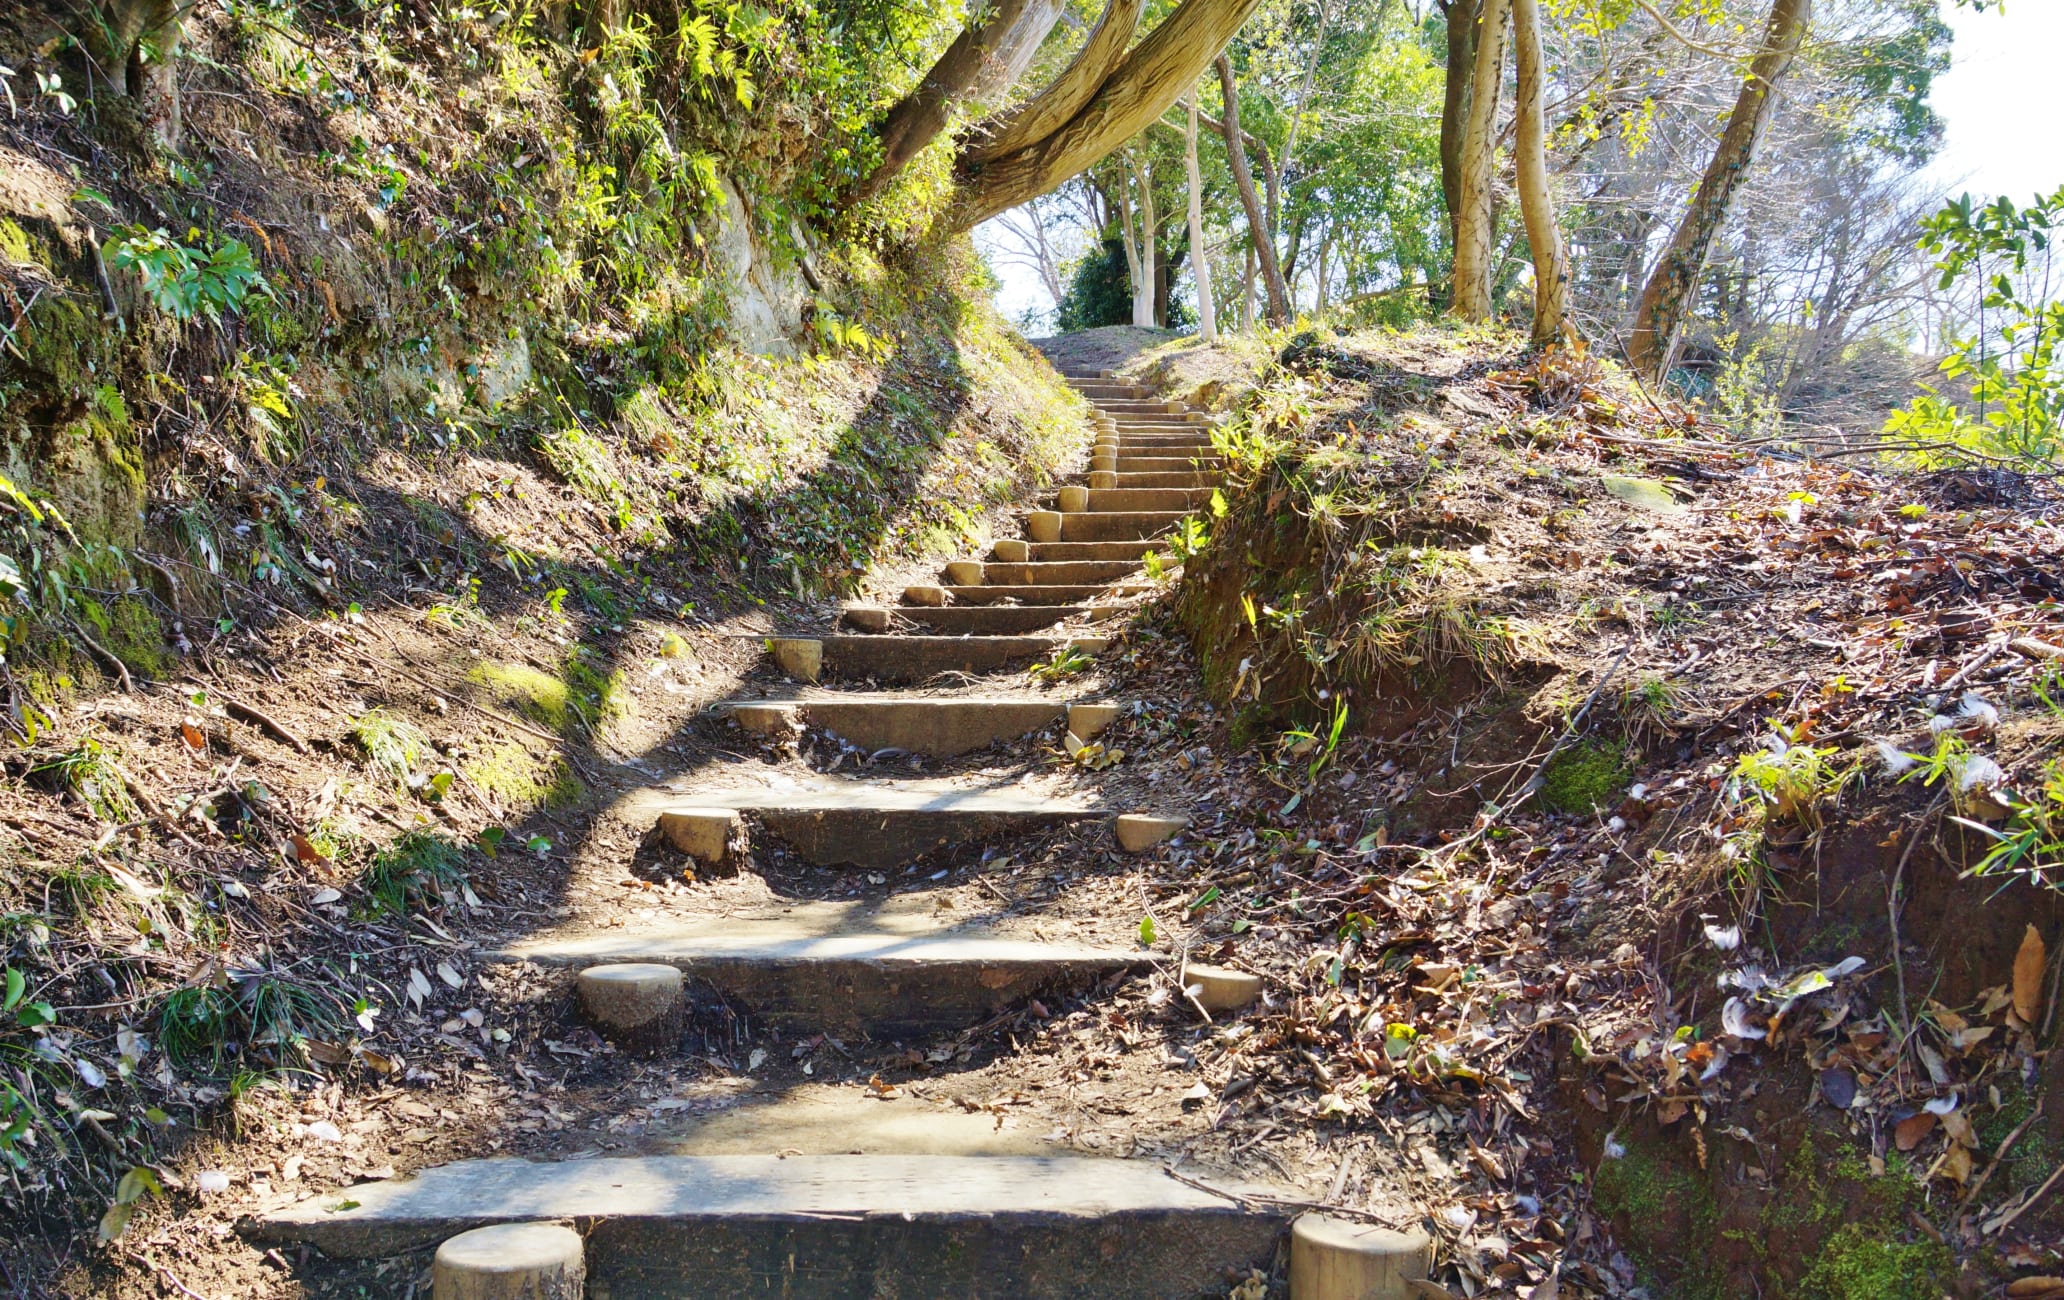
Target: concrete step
(1134,500)
(1122,406)
(1116,526)
(1056,572)
(903,659)
(1150,464)
(939,726)
(873,824)
(1121,479)
(1163,438)
(1054,594)
(971,620)
(846,968)
(830,1227)
(1054,552)
(1099,390)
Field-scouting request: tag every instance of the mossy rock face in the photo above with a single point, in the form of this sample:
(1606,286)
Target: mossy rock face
(130,631)
(65,434)
(1584,778)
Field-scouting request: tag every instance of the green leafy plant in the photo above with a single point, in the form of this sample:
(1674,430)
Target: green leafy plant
(1067,661)
(185,280)
(2032,842)
(1793,781)
(2010,363)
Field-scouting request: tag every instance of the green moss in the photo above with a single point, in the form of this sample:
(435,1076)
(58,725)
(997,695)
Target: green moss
(523,780)
(1862,1262)
(539,696)
(14,242)
(2034,1154)
(1584,777)
(1664,1213)
(131,632)
(597,696)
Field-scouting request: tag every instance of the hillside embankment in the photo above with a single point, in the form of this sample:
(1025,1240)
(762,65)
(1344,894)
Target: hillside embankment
(1680,815)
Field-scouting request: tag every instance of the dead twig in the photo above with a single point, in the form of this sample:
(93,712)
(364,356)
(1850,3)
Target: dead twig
(279,732)
(2033,1197)
(1256,1198)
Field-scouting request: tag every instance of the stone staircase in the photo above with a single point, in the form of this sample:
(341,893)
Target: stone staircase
(841,1206)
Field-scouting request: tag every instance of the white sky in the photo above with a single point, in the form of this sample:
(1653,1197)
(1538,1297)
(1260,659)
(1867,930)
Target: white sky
(2000,102)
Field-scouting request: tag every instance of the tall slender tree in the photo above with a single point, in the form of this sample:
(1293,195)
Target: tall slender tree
(1200,264)
(1260,226)
(1670,282)
(1530,167)
(1475,218)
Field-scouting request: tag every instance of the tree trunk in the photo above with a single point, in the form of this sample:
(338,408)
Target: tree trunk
(1247,292)
(982,62)
(1474,221)
(1200,262)
(130,48)
(1260,231)
(1051,108)
(1146,280)
(1311,69)
(1140,90)
(1661,313)
(1323,275)
(1454,123)
(1132,258)
(1530,165)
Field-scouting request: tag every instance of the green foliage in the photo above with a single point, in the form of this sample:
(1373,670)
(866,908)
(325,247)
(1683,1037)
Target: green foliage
(89,773)
(2031,843)
(186,280)
(2011,362)
(1100,292)
(1067,661)
(1862,1262)
(1793,781)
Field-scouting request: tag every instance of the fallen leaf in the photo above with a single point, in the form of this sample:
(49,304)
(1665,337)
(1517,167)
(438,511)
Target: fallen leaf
(449,975)
(2035,1288)
(192,736)
(2028,977)
(1912,1129)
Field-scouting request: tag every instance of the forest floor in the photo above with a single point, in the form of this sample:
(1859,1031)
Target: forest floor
(1494,1015)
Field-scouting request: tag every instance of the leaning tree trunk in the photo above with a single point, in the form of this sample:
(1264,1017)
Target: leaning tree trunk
(1454,123)
(1261,233)
(981,63)
(1475,220)
(1669,285)
(1200,263)
(1530,164)
(1149,79)
(1051,108)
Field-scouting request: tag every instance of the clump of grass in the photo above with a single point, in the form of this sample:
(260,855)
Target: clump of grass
(91,775)
(419,867)
(1585,778)
(197,1023)
(1067,661)
(262,1018)
(393,746)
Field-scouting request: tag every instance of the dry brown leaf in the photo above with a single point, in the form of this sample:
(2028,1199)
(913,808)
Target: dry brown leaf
(1912,1129)
(2036,1288)
(2028,977)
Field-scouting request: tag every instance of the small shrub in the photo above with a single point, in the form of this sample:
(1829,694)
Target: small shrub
(184,280)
